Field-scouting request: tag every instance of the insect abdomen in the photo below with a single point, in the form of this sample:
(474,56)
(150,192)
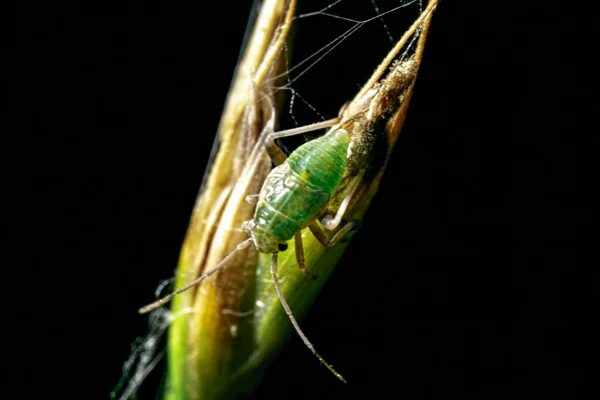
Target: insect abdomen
(320,163)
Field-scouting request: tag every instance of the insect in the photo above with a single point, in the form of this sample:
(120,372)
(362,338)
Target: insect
(297,192)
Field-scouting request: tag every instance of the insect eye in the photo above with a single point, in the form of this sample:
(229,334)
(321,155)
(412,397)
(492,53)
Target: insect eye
(282,246)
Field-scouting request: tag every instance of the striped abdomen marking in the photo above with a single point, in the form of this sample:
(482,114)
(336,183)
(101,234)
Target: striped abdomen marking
(295,192)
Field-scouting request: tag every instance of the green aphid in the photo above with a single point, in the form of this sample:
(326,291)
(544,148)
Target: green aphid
(296,192)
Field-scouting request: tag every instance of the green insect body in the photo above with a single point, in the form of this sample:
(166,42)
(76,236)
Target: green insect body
(296,192)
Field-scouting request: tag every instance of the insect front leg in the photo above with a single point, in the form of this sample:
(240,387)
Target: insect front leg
(300,255)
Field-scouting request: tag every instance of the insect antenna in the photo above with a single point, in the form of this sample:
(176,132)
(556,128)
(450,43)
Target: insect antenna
(288,311)
(221,264)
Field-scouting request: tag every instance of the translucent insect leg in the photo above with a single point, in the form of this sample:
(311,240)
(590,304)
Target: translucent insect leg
(221,264)
(252,199)
(322,237)
(330,223)
(288,311)
(276,154)
(300,255)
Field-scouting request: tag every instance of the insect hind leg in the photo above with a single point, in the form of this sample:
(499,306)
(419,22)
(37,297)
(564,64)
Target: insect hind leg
(274,151)
(331,223)
(321,236)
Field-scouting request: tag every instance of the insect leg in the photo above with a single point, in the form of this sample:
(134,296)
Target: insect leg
(276,154)
(300,256)
(329,222)
(322,237)
(252,199)
(288,311)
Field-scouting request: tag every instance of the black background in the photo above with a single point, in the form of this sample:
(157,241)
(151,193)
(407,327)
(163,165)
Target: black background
(464,279)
